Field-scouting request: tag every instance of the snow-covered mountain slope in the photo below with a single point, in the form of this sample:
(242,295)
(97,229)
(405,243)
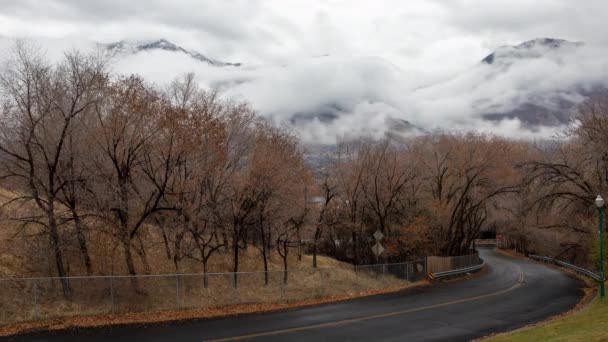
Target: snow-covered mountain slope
(550,98)
(536,48)
(126,47)
(526,90)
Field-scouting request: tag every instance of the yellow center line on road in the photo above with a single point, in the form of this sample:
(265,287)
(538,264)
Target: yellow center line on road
(519,282)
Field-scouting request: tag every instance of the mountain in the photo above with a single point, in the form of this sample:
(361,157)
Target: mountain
(537,106)
(539,83)
(125,47)
(520,82)
(535,48)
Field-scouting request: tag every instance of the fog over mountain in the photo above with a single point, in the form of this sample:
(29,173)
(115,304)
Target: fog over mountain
(529,90)
(340,68)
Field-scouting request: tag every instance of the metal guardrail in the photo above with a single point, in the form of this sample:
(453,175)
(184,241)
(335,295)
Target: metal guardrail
(437,275)
(568,265)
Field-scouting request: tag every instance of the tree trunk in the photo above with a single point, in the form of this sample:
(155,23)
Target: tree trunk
(300,244)
(235,264)
(205,269)
(285,249)
(161,225)
(126,243)
(82,242)
(65,284)
(129,258)
(123,219)
(177,256)
(355,249)
(225,237)
(176,262)
(141,251)
(315,246)
(264,253)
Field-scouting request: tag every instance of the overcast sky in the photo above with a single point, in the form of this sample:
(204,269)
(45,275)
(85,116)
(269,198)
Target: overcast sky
(444,33)
(379,50)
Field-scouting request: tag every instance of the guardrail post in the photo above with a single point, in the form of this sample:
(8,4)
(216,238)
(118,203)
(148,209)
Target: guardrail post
(35,300)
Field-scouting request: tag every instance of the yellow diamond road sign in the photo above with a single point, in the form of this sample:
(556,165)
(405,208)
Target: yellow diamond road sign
(378,235)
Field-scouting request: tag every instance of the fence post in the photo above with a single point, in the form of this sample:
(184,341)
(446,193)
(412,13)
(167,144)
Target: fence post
(35,300)
(112,293)
(357,278)
(177,291)
(407,272)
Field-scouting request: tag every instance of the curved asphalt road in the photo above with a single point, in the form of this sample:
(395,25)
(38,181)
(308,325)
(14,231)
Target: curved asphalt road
(511,293)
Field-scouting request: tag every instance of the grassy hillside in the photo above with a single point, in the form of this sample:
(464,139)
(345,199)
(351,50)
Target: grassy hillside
(588,325)
(122,295)
(24,253)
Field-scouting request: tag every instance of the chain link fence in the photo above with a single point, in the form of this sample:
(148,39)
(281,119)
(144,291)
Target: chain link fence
(26,299)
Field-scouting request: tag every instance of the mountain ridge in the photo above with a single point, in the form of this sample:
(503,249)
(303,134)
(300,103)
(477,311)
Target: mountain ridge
(533,106)
(532,112)
(534,48)
(135,47)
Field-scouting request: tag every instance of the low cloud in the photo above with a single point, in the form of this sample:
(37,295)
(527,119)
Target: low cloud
(330,97)
(357,96)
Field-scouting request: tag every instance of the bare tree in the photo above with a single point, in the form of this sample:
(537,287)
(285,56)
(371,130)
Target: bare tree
(41,108)
(565,178)
(386,179)
(198,119)
(465,176)
(350,178)
(288,232)
(134,177)
(324,219)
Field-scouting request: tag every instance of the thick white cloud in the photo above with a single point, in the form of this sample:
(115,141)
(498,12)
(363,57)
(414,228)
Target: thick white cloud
(388,60)
(329,97)
(412,34)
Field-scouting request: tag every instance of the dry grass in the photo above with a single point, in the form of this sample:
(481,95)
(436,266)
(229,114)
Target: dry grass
(186,291)
(24,253)
(25,300)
